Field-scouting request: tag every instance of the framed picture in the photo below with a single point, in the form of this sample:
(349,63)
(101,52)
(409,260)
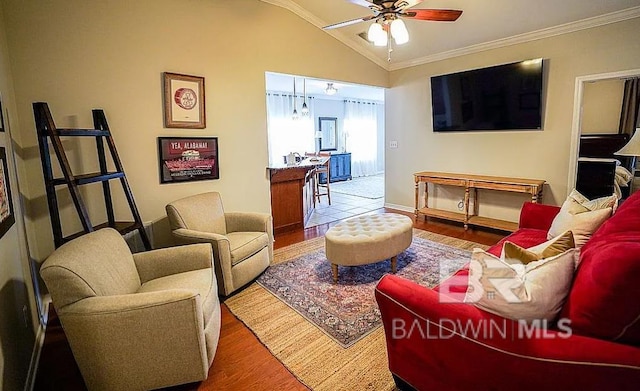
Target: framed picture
(6,208)
(184,101)
(328,130)
(188,159)
(1,117)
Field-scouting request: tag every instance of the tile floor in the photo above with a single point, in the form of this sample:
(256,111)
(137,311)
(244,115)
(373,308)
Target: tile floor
(342,206)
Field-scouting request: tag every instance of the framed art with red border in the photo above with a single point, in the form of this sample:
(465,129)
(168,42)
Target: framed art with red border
(7,219)
(184,101)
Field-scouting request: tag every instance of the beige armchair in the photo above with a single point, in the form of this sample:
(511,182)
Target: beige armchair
(135,321)
(242,242)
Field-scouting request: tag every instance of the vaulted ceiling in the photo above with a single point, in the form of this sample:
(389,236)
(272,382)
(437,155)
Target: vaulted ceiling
(482,25)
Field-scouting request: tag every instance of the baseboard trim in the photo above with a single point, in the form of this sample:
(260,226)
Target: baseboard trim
(399,207)
(35,357)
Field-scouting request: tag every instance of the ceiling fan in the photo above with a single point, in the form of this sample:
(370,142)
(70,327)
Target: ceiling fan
(387,16)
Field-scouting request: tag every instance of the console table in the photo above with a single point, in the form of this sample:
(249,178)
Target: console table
(471,184)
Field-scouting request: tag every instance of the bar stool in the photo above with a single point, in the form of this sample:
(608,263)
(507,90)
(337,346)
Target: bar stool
(321,169)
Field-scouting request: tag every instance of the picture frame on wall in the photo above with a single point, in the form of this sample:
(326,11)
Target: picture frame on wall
(7,218)
(184,101)
(187,159)
(1,117)
(329,133)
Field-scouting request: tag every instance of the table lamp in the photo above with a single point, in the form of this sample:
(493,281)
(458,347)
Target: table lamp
(632,148)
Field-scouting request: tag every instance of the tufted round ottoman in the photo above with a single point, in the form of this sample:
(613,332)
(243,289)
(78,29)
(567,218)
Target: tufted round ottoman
(368,239)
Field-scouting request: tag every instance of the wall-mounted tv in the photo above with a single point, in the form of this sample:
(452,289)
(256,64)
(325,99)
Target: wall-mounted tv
(503,97)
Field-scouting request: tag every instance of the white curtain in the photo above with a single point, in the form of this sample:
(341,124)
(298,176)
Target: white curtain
(361,131)
(285,134)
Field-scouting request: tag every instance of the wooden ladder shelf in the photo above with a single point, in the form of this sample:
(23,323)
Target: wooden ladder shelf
(47,130)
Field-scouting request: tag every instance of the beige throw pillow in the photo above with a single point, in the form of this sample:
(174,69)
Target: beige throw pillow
(535,291)
(599,203)
(512,253)
(582,216)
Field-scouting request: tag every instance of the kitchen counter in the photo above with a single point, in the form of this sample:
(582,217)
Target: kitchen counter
(292,193)
(309,162)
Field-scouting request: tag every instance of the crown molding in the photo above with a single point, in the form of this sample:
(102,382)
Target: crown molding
(314,20)
(596,21)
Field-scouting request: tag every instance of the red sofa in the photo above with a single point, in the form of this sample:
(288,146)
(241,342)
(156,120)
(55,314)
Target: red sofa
(434,345)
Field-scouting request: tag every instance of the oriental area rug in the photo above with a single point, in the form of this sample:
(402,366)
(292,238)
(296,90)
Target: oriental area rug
(329,335)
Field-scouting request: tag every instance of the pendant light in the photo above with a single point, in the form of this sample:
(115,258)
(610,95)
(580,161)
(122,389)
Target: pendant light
(305,109)
(295,106)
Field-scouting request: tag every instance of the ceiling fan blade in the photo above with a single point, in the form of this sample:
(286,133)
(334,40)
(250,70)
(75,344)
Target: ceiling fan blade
(433,14)
(348,22)
(407,3)
(367,3)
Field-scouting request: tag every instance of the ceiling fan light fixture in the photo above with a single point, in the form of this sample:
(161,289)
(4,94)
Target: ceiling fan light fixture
(387,23)
(399,32)
(377,35)
(330,90)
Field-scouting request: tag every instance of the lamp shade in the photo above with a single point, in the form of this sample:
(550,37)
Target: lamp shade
(377,35)
(399,32)
(632,148)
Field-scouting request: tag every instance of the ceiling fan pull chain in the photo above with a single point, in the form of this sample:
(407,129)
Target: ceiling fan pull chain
(389,48)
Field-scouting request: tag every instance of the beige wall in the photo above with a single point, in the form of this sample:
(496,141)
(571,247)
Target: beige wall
(529,154)
(18,314)
(78,55)
(601,105)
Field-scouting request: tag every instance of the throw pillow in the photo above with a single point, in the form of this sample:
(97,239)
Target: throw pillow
(599,203)
(582,216)
(512,253)
(535,291)
(623,176)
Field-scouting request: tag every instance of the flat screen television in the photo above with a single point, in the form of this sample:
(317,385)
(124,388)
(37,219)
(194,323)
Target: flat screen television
(503,97)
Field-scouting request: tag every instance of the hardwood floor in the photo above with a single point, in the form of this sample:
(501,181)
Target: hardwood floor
(241,361)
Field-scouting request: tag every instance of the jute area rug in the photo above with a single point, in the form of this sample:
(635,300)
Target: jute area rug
(317,359)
